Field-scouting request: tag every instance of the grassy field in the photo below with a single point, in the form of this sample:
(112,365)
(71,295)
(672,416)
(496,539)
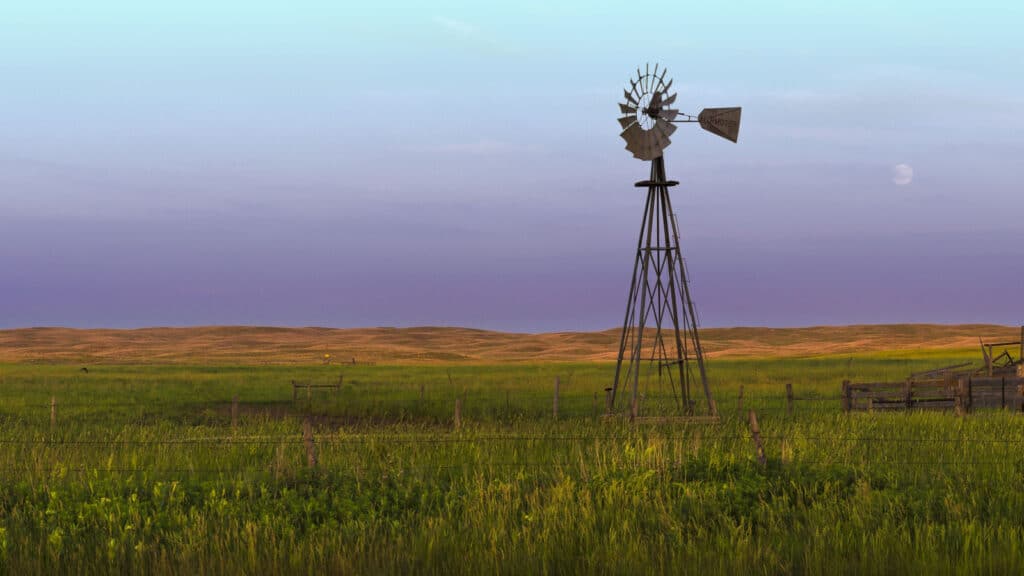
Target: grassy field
(143,472)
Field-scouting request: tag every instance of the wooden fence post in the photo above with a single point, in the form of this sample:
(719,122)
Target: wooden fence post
(789,398)
(739,401)
(341,380)
(234,412)
(423,391)
(755,432)
(508,405)
(554,405)
(53,412)
(634,408)
(309,393)
(908,394)
(960,400)
(847,394)
(595,406)
(458,413)
(307,439)
(608,400)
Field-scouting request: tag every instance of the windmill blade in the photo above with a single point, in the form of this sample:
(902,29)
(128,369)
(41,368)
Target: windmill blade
(724,122)
(629,98)
(636,142)
(669,101)
(669,114)
(632,135)
(669,85)
(643,152)
(666,128)
(655,144)
(627,109)
(663,140)
(655,140)
(627,121)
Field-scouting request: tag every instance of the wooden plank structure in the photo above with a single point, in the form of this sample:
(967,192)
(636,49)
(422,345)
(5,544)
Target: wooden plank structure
(999,360)
(999,383)
(962,393)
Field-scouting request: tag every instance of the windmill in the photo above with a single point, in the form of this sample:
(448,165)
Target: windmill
(659,294)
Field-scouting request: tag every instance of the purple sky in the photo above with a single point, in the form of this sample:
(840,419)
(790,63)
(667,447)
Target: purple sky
(459,164)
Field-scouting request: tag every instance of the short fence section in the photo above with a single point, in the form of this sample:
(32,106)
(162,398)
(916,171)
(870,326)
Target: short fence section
(308,386)
(962,394)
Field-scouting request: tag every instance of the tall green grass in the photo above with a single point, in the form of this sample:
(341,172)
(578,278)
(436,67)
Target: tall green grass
(143,473)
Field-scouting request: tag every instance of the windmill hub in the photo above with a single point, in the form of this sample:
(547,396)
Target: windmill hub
(647,112)
(659,295)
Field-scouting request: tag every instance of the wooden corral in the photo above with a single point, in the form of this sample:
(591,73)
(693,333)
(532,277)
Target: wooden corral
(999,383)
(962,394)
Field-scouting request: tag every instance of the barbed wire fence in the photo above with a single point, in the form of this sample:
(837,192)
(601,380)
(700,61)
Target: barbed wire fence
(768,447)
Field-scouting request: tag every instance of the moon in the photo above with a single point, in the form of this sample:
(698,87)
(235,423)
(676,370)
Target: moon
(902,174)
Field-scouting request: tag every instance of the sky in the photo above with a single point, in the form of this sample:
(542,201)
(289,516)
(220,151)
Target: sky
(459,164)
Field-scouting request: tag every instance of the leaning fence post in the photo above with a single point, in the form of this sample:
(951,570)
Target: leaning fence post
(789,398)
(739,401)
(53,411)
(755,433)
(554,405)
(307,439)
(234,411)
(458,413)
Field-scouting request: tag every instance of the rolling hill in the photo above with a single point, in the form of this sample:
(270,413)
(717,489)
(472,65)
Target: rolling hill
(432,345)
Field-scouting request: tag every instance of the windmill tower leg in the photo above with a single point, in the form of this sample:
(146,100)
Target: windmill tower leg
(659,297)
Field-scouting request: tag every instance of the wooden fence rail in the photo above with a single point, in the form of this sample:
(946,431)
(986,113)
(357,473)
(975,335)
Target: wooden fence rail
(309,386)
(962,394)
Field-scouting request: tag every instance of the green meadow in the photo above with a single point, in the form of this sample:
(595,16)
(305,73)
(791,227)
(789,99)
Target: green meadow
(140,469)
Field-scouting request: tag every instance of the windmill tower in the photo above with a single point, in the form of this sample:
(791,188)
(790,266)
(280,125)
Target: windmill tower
(660,343)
